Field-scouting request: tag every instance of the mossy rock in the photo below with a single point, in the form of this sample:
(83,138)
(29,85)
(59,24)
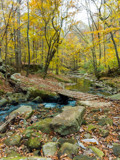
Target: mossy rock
(105,121)
(14,140)
(61,141)
(35,141)
(98,152)
(69,149)
(42,125)
(91,127)
(12,153)
(28,133)
(83,157)
(33,93)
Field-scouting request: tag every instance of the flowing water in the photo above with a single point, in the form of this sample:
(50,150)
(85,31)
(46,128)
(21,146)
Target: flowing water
(79,84)
(86,86)
(5,111)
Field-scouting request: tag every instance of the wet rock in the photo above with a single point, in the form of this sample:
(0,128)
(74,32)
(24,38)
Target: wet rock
(3,102)
(50,148)
(69,121)
(14,140)
(42,125)
(116,149)
(35,141)
(98,152)
(83,157)
(26,111)
(69,149)
(95,104)
(105,121)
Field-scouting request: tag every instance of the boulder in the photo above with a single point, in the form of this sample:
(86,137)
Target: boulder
(15,98)
(69,149)
(35,141)
(61,141)
(116,149)
(95,104)
(14,78)
(14,140)
(42,125)
(26,111)
(33,92)
(69,121)
(50,148)
(3,102)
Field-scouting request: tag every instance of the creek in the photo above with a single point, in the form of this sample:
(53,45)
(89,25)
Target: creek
(87,86)
(79,84)
(5,111)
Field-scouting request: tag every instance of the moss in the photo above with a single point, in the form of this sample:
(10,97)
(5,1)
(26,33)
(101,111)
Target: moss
(42,125)
(1,82)
(2,92)
(43,94)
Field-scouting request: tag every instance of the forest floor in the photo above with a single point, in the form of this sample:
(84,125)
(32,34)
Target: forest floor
(94,126)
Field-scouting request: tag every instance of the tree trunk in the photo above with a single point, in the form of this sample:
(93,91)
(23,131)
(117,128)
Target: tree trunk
(28,26)
(18,52)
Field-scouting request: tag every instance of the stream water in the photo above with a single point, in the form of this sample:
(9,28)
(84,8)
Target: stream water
(5,111)
(86,86)
(79,84)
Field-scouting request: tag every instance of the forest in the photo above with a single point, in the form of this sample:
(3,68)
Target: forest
(59,79)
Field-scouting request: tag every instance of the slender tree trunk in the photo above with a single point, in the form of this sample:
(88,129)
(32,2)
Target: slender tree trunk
(18,52)
(115,47)
(28,26)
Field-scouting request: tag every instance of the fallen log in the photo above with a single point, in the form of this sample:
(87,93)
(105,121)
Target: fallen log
(5,125)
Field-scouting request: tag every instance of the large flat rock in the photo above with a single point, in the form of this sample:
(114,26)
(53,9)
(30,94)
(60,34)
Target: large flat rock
(69,121)
(95,104)
(26,111)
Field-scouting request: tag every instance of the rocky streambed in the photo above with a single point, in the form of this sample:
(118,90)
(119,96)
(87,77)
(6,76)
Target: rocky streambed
(84,127)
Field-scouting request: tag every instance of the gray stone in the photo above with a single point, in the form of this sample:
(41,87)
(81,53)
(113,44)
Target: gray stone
(69,121)
(116,149)
(50,148)
(95,104)
(26,111)
(14,78)
(3,102)
(69,149)
(14,140)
